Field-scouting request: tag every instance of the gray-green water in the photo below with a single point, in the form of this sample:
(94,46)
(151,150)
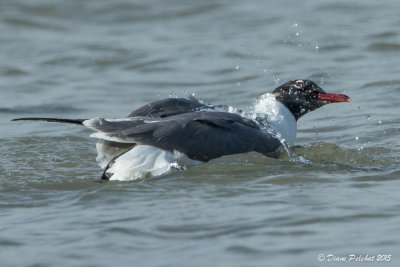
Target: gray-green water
(82,59)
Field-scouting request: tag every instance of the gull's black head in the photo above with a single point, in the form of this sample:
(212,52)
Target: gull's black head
(303,96)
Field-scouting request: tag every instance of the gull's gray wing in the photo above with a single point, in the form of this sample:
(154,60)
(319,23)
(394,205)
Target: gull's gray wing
(168,107)
(109,150)
(200,135)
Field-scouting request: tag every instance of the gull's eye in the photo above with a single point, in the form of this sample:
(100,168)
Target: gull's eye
(299,84)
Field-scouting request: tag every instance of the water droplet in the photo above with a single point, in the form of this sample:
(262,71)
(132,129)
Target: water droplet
(276,79)
(380,122)
(237,67)
(316,48)
(356,138)
(303,160)
(172,94)
(265,70)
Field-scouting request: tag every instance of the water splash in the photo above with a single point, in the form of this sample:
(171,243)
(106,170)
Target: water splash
(282,140)
(267,113)
(297,158)
(267,106)
(272,117)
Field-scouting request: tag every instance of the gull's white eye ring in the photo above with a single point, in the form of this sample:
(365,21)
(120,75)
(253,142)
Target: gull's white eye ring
(299,84)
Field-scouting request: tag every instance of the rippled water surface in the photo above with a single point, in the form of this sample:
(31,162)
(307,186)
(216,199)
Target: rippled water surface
(337,195)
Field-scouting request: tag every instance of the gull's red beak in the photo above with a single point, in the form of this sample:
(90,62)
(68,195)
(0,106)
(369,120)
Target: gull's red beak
(333,98)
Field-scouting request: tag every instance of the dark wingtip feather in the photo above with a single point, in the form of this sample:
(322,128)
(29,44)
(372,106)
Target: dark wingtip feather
(70,121)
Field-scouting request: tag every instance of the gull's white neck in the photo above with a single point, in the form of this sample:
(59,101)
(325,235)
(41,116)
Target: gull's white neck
(276,116)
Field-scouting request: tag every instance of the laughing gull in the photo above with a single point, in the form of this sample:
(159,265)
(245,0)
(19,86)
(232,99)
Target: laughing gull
(178,132)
